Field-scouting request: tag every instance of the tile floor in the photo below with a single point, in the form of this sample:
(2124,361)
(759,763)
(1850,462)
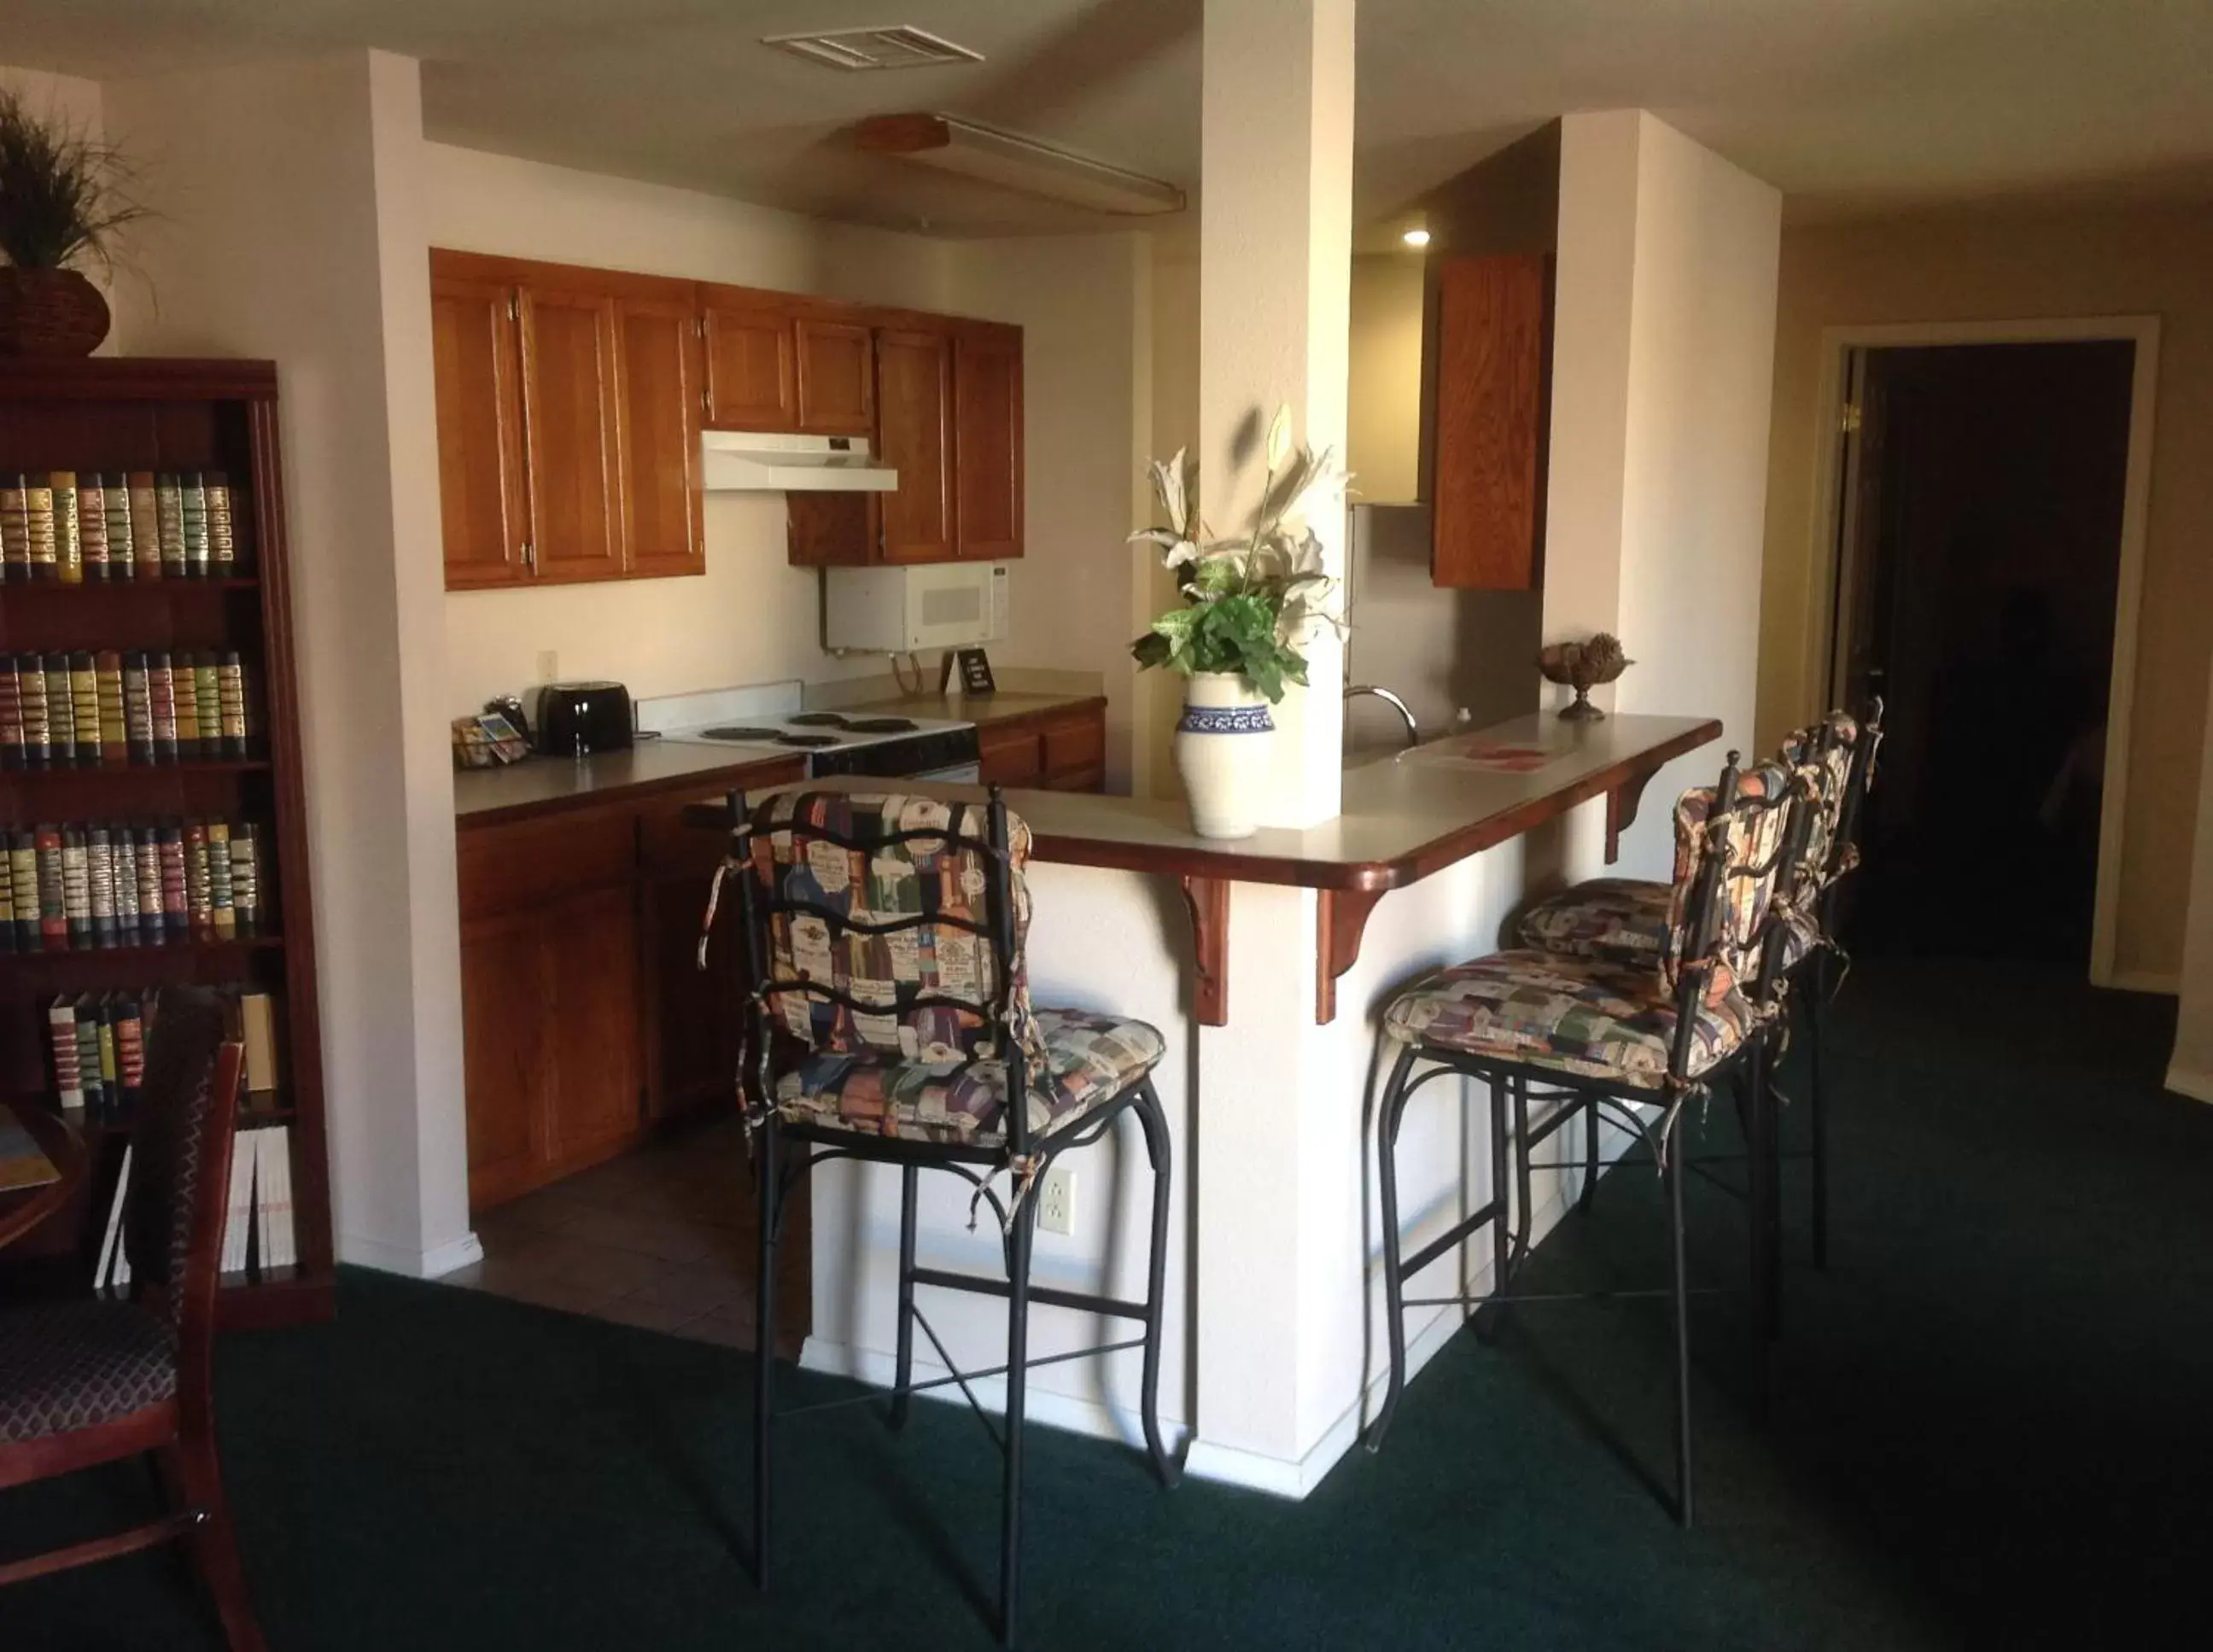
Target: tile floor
(662,1237)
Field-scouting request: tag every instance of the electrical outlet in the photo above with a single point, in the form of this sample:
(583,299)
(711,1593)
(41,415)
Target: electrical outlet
(1056,1197)
(549,665)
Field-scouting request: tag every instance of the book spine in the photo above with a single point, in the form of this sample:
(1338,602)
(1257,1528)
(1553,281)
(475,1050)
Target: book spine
(161,699)
(100,876)
(14,529)
(138,710)
(11,716)
(125,849)
(152,931)
(222,891)
(62,1042)
(88,1054)
(8,942)
(85,708)
(39,506)
(92,525)
(76,889)
(207,695)
(37,725)
(115,493)
(169,523)
(245,876)
(145,523)
(61,710)
(199,554)
(111,1086)
(223,533)
(230,703)
(23,879)
(188,707)
(175,914)
(53,898)
(130,1049)
(107,686)
(200,889)
(68,543)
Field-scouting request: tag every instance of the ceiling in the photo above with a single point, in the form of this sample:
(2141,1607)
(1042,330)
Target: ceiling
(1851,109)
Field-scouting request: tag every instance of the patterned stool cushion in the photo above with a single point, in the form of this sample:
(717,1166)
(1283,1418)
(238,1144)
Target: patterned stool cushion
(1624,920)
(75,1364)
(1588,1016)
(1090,1060)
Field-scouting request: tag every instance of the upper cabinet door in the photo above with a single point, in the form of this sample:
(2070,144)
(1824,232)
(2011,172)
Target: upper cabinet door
(987,441)
(836,382)
(914,409)
(752,375)
(1492,406)
(570,415)
(478,371)
(658,371)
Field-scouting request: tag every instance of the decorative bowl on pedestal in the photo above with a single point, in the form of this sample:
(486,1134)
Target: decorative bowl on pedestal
(1583,666)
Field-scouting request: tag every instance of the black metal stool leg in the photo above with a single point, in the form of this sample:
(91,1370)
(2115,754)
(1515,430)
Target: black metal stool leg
(1490,1318)
(1387,1114)
(903,1377)
(1018,1345)
(763,1341)
(1153,1119)
(1523,1203)
(1675,1171)
(1589,1194)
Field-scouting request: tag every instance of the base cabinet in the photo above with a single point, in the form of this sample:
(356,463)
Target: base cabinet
(1061,750)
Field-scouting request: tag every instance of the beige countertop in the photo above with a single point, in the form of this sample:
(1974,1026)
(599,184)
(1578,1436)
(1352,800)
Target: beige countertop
(1403,816)
(979,709)
(537,783)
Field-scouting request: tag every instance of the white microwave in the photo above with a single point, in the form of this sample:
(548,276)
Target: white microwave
(945,604)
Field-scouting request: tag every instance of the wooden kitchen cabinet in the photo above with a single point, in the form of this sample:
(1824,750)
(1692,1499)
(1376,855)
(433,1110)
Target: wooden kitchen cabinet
(837,375)
(987,441)
(569,434)
(1493,360)
(1064,749)
(477,366)
(751,365)
(914,415)
(659,394)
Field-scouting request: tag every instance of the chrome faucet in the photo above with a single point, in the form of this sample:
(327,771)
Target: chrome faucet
(1413,733)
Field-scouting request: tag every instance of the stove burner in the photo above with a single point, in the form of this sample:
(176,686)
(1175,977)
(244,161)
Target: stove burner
(818,719)
(737,733)
(879,725)
(807,741)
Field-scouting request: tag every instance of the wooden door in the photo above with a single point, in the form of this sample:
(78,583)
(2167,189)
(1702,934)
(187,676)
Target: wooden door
(1492,367)
(836,378)
(752,377)
(593,1043)
(505,980)
(914,423)
(476,365)
(987,442)
(570,412)
(658,374)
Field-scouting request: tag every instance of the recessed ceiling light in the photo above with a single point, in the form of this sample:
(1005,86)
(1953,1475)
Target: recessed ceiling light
(1416,238)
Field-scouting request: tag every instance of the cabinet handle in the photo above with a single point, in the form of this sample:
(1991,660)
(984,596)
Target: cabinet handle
(530,556)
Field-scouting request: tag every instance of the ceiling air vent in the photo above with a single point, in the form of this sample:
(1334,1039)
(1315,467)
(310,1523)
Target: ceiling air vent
(903,47)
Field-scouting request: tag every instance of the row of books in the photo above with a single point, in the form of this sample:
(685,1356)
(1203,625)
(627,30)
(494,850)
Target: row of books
(257,1232)
(110,709)
(96,1044)
(77,889)
(72,526)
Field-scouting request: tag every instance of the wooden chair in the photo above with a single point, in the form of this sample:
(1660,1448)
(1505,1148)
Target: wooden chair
(94,1379)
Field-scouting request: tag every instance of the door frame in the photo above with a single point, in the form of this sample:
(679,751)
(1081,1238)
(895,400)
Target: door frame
(1821,658)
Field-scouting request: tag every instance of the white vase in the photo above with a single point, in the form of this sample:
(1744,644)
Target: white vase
(1222,749)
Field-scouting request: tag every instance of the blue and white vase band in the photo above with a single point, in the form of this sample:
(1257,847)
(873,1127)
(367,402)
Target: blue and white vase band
(1227,720)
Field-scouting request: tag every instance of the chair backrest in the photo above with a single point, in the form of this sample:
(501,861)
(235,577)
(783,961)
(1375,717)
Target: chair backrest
(1843,748)
(1736,843)
(180,1144)
(887,922)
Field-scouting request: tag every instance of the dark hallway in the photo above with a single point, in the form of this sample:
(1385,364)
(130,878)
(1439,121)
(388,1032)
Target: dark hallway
(1982,566)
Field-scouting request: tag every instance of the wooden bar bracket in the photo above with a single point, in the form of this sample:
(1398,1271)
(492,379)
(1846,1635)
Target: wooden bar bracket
(1621,802)
(1340,919)
(1208,900)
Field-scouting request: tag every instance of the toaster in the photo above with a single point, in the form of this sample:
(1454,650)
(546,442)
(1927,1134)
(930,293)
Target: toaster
(577,719)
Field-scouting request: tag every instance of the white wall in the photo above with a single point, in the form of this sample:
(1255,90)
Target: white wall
(751,617)
(290,228)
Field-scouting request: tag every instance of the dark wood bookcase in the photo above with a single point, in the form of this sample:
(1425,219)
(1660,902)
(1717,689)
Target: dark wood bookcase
(123,414)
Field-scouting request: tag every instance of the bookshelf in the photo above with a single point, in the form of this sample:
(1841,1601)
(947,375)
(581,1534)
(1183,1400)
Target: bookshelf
(173,417)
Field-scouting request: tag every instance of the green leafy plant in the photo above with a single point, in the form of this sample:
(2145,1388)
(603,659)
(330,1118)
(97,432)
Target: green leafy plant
(62,196)
(1249,603)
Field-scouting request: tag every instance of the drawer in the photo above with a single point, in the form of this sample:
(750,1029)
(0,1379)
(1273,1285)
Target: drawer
(1076,743)
(1011,757)
(665,842)
(503,867)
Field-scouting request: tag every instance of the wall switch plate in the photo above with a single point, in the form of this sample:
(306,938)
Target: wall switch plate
(1056,1197)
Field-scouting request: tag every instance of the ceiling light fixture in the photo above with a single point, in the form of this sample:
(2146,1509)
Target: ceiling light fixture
(901,47)
(1012,161)
(1416,238)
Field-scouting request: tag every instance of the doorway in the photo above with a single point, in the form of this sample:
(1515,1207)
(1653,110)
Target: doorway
(1980,574)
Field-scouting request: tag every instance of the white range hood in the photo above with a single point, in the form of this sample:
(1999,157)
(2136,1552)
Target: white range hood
(748,461)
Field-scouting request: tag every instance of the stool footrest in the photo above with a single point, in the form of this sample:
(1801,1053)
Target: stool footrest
(1494,1212)
(984,1286)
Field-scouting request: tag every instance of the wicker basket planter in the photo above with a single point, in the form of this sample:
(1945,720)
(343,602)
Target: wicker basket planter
(50,313)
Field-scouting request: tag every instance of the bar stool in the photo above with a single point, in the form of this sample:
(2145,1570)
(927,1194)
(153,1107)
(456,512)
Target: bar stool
(888,1019)
(1600,1035)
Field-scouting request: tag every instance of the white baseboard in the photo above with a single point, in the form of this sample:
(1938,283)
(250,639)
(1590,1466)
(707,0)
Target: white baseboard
(2186,1081)
(2145,980)
(435,1264)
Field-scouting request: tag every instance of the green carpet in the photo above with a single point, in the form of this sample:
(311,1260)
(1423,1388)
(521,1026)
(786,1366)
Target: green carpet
(1991,1430)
